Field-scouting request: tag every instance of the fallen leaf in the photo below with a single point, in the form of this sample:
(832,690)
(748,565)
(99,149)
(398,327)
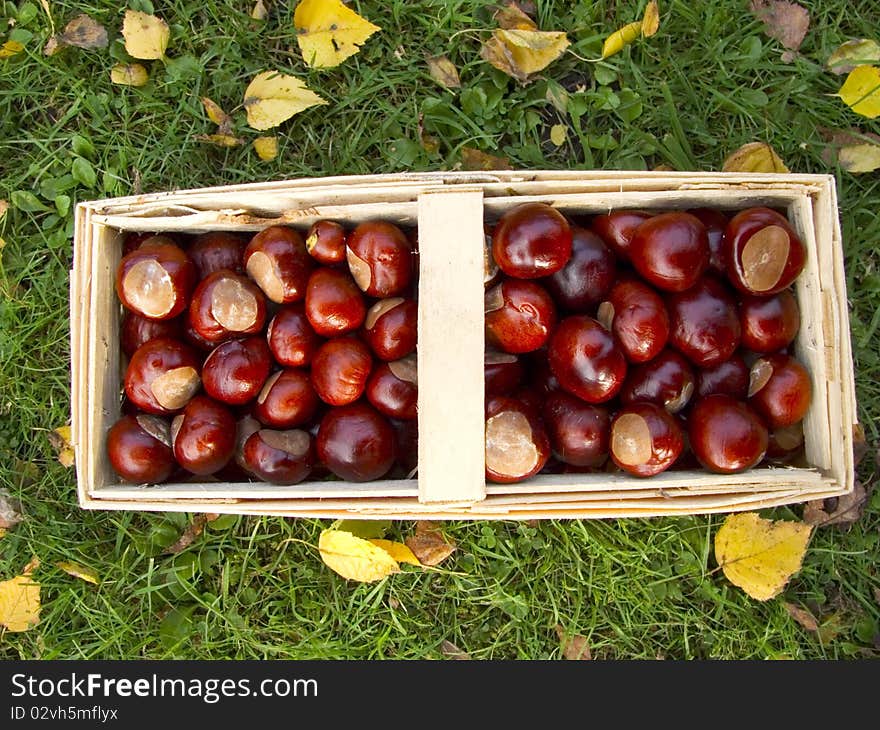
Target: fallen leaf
(785,21)
(861,91)
(522,53)
(53,45)
(266,148)
(4,206)
(754,157)
(830,628)
(397,550)
(802,616)
(19,603)
(860,442)
(558,96)
(79,571)
(759,555)
(651,19)
(364,528)
(216,114)
(10,510)
(273,97)
(2,532)
(430,143)
(146,36)
(512,17)
(260,11)
(129,74)
(621,38)
(473,159)
(32,565)
(558,134)
(451,651)
(60,440)
(84,32)
(355,558)
(328,32)
(838,140)
(859,157)
(429,545)
(190,533)
(10,48)
(853,53)
(444,72)
(843,510)
(573,647)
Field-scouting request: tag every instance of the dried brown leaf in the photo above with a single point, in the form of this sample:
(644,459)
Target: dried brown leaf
(860,443)
(830,628)
(260,11)
(843,510)
(10,510)
(60,440)
(574,647)
(474,159)
(429,545)
(189,535)
(802,616)
(84,32)
(785,21)
(444,72)
(53,45)
(512,17)
(451,651)
(220,140)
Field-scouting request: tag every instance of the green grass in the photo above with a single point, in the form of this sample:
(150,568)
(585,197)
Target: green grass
(254,587)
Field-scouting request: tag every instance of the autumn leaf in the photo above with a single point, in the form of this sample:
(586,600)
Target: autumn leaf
(651,19)
(273,97)
(754,157)
(60,440)
(853,53)
(20,600)
(522,53)
(363,528)
(259,11)
(861,91)
(129,74)
(4,206)
(855,151)
(759,555)
(146,36)
(190,533)
(843,510)
(216,114)
(573,647)
(802,616)
(859,157)
(622,37)
(10,510)
(10,48)
(558,134)
(84,32)
(474,159)
(444,72)
(266,148)
(785,21)
(429,545)
(512,17)
(355,558)
(328,32)
(79,571)
(397,550)
(451,651)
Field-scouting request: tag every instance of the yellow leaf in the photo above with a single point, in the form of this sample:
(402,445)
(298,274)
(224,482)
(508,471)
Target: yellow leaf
(266,148)
(754,157)
(861,91)
(10,48)
(79,571)
(84,32)
(511,17)
(759,555)
(397,550)
(530,51)
(2,532)
(4,206)
(853,53)
(260,11)
(474,159)
(215,113)
(621,38)
(558,134)
(328,32)
(60,440)
(859,157)
(220,140)
(129,74)
(651,20)
(19,603)
(273,97)
(355,558)
(146,36)
(444,72)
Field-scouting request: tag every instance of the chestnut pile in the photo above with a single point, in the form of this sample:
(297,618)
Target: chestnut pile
(273,358)
(639,341)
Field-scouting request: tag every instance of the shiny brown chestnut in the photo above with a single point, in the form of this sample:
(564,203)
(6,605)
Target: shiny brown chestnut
(667,380)
(216,250)
(715,222)
(203,436)
(578,431)
(291,338)
(340,370)
(162,376)
(280,457)
(156,279)
(704,322)
(780,390)
(517,445)
(356,442)
(287,400)
(325,242)
(670,250)
(139,449)
(225,305)
(616,229)
(135,330)
(391,327)
(235,370)
(762,252)
(520,316)
(586,360)
(134,239)
(637,317)
(531,240)
(276,258)
(587,277)
(380,258)
(725,434)
(769,323)
(334,304)
(407,445)
(502,373)
(730,377)
(393,389)
(645,439)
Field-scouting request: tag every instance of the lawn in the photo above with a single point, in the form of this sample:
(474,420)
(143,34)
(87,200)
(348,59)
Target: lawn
(250,587)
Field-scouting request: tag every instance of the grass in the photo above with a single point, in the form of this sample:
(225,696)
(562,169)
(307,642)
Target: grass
(254,587)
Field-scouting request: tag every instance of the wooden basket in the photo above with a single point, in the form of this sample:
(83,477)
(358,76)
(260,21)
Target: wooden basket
(449,210)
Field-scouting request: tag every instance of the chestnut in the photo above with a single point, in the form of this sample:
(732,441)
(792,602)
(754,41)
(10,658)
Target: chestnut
(502,373)
(291,338)
(139,449)
(730,377)
(216,250)
(762,253)
(587,277)
(235,370)
(203,436)
(380,258)
(645,439)
(134,239)
(586,360)
(287,400)
(325,242)
(393,390)
(491,272)
(520,315)
(670,250)
(667,380)
(716,223)
(637,317)
(407,445)
(162,376)
(156,279)
(356,442)
(725,434)
(334,305)
(276,258)
(391,327)
(540,376)
(704,322)
(769,323)
(244,427)
(785,443)
(780,390)
(340,370)
(135,330)
(578,431)
(225,305)
(279,457)
(531,240)
(617,227)
(517,446)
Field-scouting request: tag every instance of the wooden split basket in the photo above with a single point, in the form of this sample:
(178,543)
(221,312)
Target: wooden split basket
(449,210)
